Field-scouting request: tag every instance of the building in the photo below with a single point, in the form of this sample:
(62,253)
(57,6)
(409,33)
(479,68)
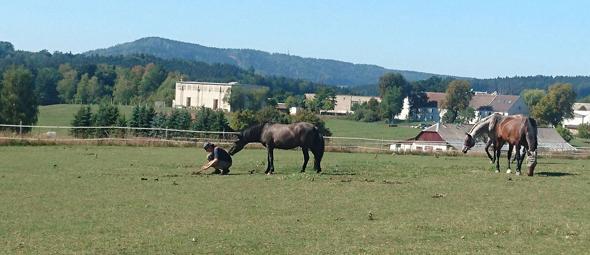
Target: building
(483,103)
(450,137)
(581,116)
(207,94)
(344,103)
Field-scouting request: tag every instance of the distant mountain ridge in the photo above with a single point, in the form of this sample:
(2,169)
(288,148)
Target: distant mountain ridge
(317,70)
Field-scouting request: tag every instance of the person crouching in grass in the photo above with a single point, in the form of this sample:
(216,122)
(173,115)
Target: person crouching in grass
(217,158)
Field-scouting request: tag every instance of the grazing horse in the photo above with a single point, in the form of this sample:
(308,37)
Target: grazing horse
(516,130)
(282,136)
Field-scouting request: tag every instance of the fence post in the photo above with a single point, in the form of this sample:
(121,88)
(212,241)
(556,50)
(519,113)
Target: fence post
(20,129)
(166,134)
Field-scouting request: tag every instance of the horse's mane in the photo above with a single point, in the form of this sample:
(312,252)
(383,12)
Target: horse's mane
(253,131)
(481,121)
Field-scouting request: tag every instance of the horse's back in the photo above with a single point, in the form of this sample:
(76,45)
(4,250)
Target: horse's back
(288,136)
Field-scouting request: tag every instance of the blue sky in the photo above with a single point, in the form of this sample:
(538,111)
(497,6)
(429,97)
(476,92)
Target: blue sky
(466,38)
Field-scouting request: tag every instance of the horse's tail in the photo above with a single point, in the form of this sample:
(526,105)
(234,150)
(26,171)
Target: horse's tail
(531,135)
(321,143)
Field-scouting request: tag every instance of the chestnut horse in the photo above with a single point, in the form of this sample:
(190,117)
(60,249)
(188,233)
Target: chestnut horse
(516,130)
(281,136)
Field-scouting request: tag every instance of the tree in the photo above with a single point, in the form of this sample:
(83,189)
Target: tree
(17,98)
(244,97)
(240,120)
(393,80)
(150,80)
(295,101)
(309,116)
(532,96)
(82,118)
(142,117)
(95,90)
(82,90)
(457,99)
(391,103)
(466,115)
(106,76)
(106,116)
(6,49)
(556,105)
(326,98)
(271,115)
(66,87)
(125,87)
(166,91)
(417,98)
(46,86)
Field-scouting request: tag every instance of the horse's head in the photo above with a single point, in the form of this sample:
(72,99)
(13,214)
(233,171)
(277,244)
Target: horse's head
(238,145)
(468,143)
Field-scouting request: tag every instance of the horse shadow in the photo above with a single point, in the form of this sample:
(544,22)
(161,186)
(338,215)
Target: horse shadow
(554,174)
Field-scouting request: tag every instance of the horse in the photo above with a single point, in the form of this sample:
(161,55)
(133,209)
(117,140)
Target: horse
(481,130)
(516,130)
(284,136)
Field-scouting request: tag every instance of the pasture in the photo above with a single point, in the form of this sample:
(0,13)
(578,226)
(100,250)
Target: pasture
(143,200)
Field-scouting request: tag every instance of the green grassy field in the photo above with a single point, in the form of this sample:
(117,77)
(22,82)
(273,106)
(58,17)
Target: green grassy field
(374,130)
(142,200)
(63,114)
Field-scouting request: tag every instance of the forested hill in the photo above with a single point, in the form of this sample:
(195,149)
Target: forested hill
(311,69)
(515,85)
(76,78)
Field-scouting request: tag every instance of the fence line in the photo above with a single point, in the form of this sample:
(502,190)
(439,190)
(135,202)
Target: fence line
(179,137)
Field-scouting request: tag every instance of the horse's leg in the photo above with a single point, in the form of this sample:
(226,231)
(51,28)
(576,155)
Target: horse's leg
(497,150)
(488,144)
(272,164)
(317,158)
(269,160)
(305,158)
(510,147)
(517,156)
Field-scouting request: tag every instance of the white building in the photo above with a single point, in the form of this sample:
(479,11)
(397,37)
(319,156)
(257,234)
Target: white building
(207,94)
(483,103)
(581,116)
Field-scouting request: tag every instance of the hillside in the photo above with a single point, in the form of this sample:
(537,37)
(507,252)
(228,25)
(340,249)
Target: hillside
(317,70)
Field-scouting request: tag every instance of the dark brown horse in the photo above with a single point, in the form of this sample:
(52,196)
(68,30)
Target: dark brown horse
(281,136)
(517,130)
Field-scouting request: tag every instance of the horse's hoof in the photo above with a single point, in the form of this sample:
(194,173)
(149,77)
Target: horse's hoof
(508,171)
(497,171)
(517,173)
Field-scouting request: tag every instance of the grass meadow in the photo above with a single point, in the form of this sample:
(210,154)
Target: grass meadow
(143,200)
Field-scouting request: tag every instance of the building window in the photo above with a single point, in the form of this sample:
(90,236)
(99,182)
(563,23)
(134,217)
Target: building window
(188,101)
(215,102)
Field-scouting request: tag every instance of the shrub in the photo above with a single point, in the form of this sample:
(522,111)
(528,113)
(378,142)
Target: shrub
(584,131)
(564,133)
(308,116)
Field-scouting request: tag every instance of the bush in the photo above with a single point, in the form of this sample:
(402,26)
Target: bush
(240,120)
(584,131)
(269,114)
(565,133)
(308,116)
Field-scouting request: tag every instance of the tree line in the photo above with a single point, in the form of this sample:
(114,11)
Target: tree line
(200,119)
(29,79)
